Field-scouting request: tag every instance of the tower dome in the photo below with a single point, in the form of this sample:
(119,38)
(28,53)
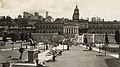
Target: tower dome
(76,14)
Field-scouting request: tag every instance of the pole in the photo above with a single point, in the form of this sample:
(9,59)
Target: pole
(119,45)
(44,47)
(63,47)
(119,52)
(99,48)
(105,50)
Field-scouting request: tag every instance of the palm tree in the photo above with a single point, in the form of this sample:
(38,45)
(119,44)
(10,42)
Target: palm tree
(106,42)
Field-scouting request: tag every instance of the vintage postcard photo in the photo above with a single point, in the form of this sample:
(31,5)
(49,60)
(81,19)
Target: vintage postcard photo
(59,33)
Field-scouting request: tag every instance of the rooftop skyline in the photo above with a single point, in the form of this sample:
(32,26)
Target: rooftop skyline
(107,9)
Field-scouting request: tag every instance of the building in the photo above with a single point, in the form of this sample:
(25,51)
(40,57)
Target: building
(70,29)
(75,16)
(48,18)
(103,27)
(49,27)
(32,18)
(65,26)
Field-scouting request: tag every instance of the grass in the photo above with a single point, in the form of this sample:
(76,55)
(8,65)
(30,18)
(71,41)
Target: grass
(113,62)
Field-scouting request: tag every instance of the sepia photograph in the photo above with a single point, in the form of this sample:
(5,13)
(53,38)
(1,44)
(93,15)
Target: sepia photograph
(59,33)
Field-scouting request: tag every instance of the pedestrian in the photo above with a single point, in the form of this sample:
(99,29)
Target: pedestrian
(90,47)
(54,55)
(46,46)
(60,53)
(1,44)
(68,47)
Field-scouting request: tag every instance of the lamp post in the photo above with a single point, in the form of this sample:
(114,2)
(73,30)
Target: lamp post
(63,44)
(119,46)
(119,51)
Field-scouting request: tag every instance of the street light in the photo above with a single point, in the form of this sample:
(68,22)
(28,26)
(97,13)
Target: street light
(63,44)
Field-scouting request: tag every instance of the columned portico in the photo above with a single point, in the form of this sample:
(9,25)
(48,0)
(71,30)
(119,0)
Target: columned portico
(70,29)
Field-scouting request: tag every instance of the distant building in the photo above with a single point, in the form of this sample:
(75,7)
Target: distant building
(70,29)
(27,15)
(32,18)
(2,17)
(103,27)
(62,26)
(96,19)
(48,18)
(75,16)
(49,27)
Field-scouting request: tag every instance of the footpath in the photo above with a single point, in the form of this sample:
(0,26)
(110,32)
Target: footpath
(78,56)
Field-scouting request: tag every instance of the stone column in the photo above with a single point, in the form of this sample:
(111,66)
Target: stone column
(73,30)
(68,30)
(32,55)
(77,30)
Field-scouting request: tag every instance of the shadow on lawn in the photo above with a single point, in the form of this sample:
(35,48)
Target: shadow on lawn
(113,62)
(86,50)
(100,55)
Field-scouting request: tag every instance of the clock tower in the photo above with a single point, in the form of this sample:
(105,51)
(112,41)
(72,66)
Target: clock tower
(76,14)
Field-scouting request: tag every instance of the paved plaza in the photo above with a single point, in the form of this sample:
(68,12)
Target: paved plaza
(78,56)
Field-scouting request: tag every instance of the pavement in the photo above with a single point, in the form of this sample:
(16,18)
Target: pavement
(78,56)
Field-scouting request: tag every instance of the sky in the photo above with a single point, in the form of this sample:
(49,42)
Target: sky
(106,9)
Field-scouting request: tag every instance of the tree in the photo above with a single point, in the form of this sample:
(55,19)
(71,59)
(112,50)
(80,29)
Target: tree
(22,37)
(26,38)
(46,42)
(85,40)
(56,39)
(30,35)
(106,42)
(68,43)
(117,36)
(14,37)
(4,39)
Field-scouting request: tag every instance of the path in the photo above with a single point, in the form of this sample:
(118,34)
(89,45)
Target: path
(78,56)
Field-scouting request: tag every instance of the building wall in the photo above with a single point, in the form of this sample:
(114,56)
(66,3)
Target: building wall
(103,27)
(49,27)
